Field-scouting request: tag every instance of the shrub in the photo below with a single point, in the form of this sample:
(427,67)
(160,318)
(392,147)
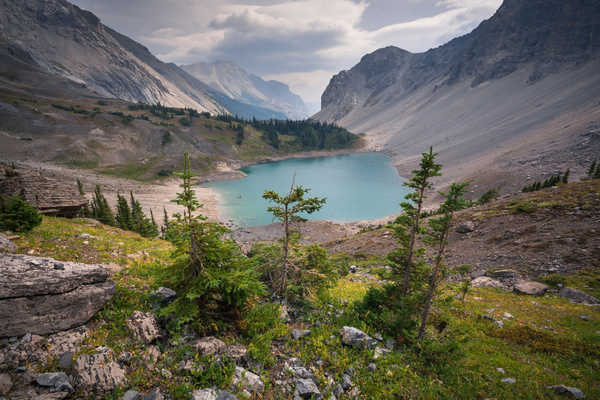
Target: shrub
(488,196)
(17,215)
(555,279)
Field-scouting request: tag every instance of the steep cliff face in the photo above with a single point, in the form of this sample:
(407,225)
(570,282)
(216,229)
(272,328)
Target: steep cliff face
(236,83)
(534,66)
(61,39)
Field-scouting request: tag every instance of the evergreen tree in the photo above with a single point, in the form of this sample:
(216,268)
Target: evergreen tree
(437,235)
(164,229)
(85,210)
(592,170)
(286,209)
(123,217)
(410,225)
(100,208)
(597,173)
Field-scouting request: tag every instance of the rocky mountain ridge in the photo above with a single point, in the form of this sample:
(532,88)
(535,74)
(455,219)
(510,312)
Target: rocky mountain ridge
(529,71)
(238,84)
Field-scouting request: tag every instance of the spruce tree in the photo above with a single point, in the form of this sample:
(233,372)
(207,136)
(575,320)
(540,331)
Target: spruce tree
(437,235)
(85,210)
(100,208)
(286,209)
(164,229)
(419,184)
(123,217)
(592,170)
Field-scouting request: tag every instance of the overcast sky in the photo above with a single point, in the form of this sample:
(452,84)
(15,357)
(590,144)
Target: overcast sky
(300,42)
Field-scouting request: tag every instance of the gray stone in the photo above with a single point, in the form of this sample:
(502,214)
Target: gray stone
(505,274)
(487,282)
(210,345)
(478,273)
(57,381)
(144,327)
(501,370)
(65,360)
(466,227)
(575,296)
(98,373)
(59,265)
(237,352)
(5,384)
(41,300)
(165,294)
(212,394)
(347,382)
(338,390)
(132,395)
(568,390)
(372,367)
(510,381)
(379,352)
(356,338)
(530,288)
(6,246)
(248,380)
(584,317)
(125,357)
(378,337)
(306,389)
(299,333)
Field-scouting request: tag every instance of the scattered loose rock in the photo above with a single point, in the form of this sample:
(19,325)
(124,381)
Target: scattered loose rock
(132,395)
(487,282)
(531,288)
(165,294)
(212,394)
(306,389)
(299,333)
(248,380)
(57,381)
(466,227)
(568,390)
(6,246)
(144,326)
(210,345)
(510,381)
(98,373)
(576,296)
(356,338)
(5,384)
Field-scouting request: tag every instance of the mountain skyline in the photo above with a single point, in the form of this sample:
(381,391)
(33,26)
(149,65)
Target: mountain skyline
(300,43)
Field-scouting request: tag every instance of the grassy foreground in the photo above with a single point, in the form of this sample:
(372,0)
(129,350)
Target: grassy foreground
(544,341)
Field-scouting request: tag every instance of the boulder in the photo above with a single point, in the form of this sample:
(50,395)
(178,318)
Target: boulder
(210,345)
(156,394)
(486,282)
(568,390)
(237,352)
(299,333)
(212,394)
(99,373)
(247,380)
(306,389)
(6,246)
(65,360)
(56,381)
(354,337)
(478,273)
(465,227)
(531,288)
(504,275)
(165,294)
(36,297)
(576,296)
(132,395)
(144,326)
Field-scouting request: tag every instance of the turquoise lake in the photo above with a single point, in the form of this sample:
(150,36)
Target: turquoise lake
(357,187)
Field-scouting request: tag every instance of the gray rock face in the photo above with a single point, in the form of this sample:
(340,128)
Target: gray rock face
(37,298)
(567,390)
(210,345)
(57,381)
(306,389)
(530,288)
(577,296)
(99,373)
(144,326)
(6,246)
(131,395)
(354,337)
(5,384)
(65,360)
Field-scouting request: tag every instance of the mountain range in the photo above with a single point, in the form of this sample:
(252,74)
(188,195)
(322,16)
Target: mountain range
(523,85)
(57,38)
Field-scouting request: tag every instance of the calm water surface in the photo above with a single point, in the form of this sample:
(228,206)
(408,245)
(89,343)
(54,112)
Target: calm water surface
(357,187)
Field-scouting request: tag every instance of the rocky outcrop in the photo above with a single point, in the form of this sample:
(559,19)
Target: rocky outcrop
(99,372)
(354,337)
(531,288)
(43,295)
(6,246)
(49,195)
(209,346)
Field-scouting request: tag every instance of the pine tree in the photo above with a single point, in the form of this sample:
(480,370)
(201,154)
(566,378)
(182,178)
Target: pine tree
(85,210)
(100,208)
(123,217)
(286,209)
(164,229)
(597,173)
(437,235)
(592,170)
(419,183)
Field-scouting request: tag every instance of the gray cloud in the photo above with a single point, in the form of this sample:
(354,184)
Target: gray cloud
(301,42)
